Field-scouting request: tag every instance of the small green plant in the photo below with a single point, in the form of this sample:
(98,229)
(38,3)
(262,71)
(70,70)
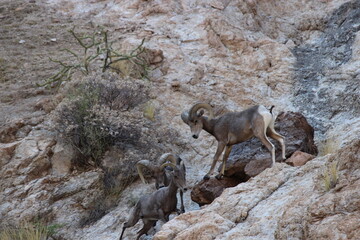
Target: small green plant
(53,228)
(2,71)
(91,45)
(149,111)
(330,176)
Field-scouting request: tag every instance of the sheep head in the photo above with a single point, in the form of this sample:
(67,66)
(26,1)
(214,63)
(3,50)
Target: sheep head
(157,172)
(177,174)
(194,117)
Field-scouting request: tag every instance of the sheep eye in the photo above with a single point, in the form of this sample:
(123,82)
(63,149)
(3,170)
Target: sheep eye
(195,121)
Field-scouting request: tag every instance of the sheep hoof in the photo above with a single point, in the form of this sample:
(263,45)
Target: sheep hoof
(219,176)
(206,177)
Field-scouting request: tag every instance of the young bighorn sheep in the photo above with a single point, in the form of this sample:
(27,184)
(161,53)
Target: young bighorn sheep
(232,128)
(160,204)
(159,174)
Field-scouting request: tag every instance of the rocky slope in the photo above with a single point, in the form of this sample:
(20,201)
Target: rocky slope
(282,202)
(300,56)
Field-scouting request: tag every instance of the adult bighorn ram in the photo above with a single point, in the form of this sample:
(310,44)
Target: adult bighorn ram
(159,174)
(232,128)
(160,204)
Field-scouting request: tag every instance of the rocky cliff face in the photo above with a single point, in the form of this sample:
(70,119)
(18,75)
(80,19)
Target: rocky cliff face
(282,202)
(300,56)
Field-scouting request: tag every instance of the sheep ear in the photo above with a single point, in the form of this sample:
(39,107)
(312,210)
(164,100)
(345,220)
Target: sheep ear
(200,113)
(182,165)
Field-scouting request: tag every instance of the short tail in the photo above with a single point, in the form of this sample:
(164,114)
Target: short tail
(271,108)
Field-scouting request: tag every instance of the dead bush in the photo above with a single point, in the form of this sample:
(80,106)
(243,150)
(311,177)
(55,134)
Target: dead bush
(90,119)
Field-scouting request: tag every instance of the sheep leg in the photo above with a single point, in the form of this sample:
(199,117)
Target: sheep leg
(128,224)
(273,134)
(219,150)
(225,157)
(133,219)
(147,225)
(182,210)
(269,146)
(122,232)
(162,216)
(260,132)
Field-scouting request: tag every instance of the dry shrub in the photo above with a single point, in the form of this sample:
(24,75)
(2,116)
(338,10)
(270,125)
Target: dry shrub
(329,146)
(103,118)
(90,119)
(330,176)
(95,48)
(28,231)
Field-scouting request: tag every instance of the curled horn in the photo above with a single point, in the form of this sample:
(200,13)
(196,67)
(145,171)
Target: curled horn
(197,106)
(166,157)
(167,164)
(141,164)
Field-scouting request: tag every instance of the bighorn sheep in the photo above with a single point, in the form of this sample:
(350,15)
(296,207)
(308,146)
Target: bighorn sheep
(160,204)
(159,174)
(232,128)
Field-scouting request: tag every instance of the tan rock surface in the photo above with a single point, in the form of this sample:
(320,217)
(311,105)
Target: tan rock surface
(299,158)
(298,55)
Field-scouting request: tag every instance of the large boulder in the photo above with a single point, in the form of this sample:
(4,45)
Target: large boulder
(207,190)
(299,158)
(250,158)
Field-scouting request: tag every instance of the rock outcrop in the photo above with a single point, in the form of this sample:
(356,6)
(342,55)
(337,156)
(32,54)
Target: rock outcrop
(280,203)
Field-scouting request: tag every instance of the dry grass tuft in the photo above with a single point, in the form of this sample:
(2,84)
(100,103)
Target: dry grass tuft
(28,231)
(330,176)
(149,111)
(329,146)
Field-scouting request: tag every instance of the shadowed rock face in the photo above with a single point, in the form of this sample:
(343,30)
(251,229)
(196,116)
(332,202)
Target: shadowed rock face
(250,158)
(318,69)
